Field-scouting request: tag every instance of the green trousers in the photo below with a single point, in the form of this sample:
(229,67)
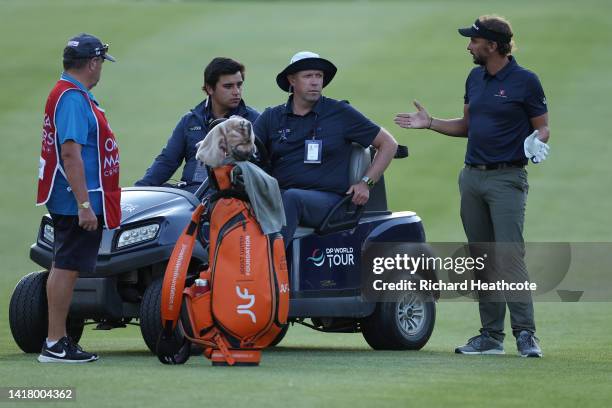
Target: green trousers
(493,212)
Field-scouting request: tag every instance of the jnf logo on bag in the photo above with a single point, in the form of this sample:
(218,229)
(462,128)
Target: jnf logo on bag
(245,309)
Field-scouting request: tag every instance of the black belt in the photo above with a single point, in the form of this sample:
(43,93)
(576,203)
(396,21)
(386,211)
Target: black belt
(495,166)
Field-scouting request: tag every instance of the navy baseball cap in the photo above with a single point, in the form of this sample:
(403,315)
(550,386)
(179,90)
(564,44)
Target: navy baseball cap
(480,31)
(86,46)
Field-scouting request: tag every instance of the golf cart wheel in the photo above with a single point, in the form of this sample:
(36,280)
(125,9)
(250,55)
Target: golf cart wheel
(28,314)
(150,317)
(150,314)
(280,336)
(405,324)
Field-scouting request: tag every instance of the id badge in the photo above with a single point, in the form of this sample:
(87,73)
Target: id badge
(313,150)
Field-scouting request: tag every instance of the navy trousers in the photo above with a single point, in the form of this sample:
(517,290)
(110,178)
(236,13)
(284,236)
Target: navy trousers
(305,207)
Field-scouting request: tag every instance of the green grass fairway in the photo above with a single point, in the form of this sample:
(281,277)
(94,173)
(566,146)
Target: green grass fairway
(387,53)
(312,369)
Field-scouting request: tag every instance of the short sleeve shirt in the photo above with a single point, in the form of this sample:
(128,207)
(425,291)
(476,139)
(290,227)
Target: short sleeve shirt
(75,121)
(500,109)
(336,124)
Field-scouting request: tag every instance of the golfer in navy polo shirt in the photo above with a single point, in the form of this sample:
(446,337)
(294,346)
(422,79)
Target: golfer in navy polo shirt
(506,123)
(309,139)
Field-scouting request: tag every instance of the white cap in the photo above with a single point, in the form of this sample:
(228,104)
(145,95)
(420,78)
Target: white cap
(302,55)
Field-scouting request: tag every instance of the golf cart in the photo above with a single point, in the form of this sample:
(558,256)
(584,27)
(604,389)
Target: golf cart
(324,270)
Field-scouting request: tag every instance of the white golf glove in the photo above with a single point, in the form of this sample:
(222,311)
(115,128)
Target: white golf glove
(535,149)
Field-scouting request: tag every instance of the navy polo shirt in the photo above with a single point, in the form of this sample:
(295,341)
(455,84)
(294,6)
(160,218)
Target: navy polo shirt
(335,123)
(500,109)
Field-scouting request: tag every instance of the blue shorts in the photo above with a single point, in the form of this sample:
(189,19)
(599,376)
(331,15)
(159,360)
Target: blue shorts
(74,248)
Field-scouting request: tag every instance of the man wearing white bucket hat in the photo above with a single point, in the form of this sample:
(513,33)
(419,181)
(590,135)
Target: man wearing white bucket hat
(309,138)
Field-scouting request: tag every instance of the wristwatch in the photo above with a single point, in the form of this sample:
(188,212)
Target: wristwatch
(369,182)
(84,205)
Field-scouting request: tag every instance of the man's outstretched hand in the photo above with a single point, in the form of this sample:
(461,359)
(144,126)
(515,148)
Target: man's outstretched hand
(414,120)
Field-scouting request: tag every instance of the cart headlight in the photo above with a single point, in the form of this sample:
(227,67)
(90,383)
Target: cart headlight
(47,233)
(137,235)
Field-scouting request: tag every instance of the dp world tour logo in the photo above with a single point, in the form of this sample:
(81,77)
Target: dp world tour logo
(334,256)
(316,258)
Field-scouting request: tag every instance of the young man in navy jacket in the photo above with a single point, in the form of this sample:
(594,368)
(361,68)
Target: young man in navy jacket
(223,80)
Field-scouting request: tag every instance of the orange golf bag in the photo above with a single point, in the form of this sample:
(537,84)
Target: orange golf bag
(245,305)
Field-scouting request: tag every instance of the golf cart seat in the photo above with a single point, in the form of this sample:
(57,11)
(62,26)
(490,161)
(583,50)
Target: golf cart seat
(359,162)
